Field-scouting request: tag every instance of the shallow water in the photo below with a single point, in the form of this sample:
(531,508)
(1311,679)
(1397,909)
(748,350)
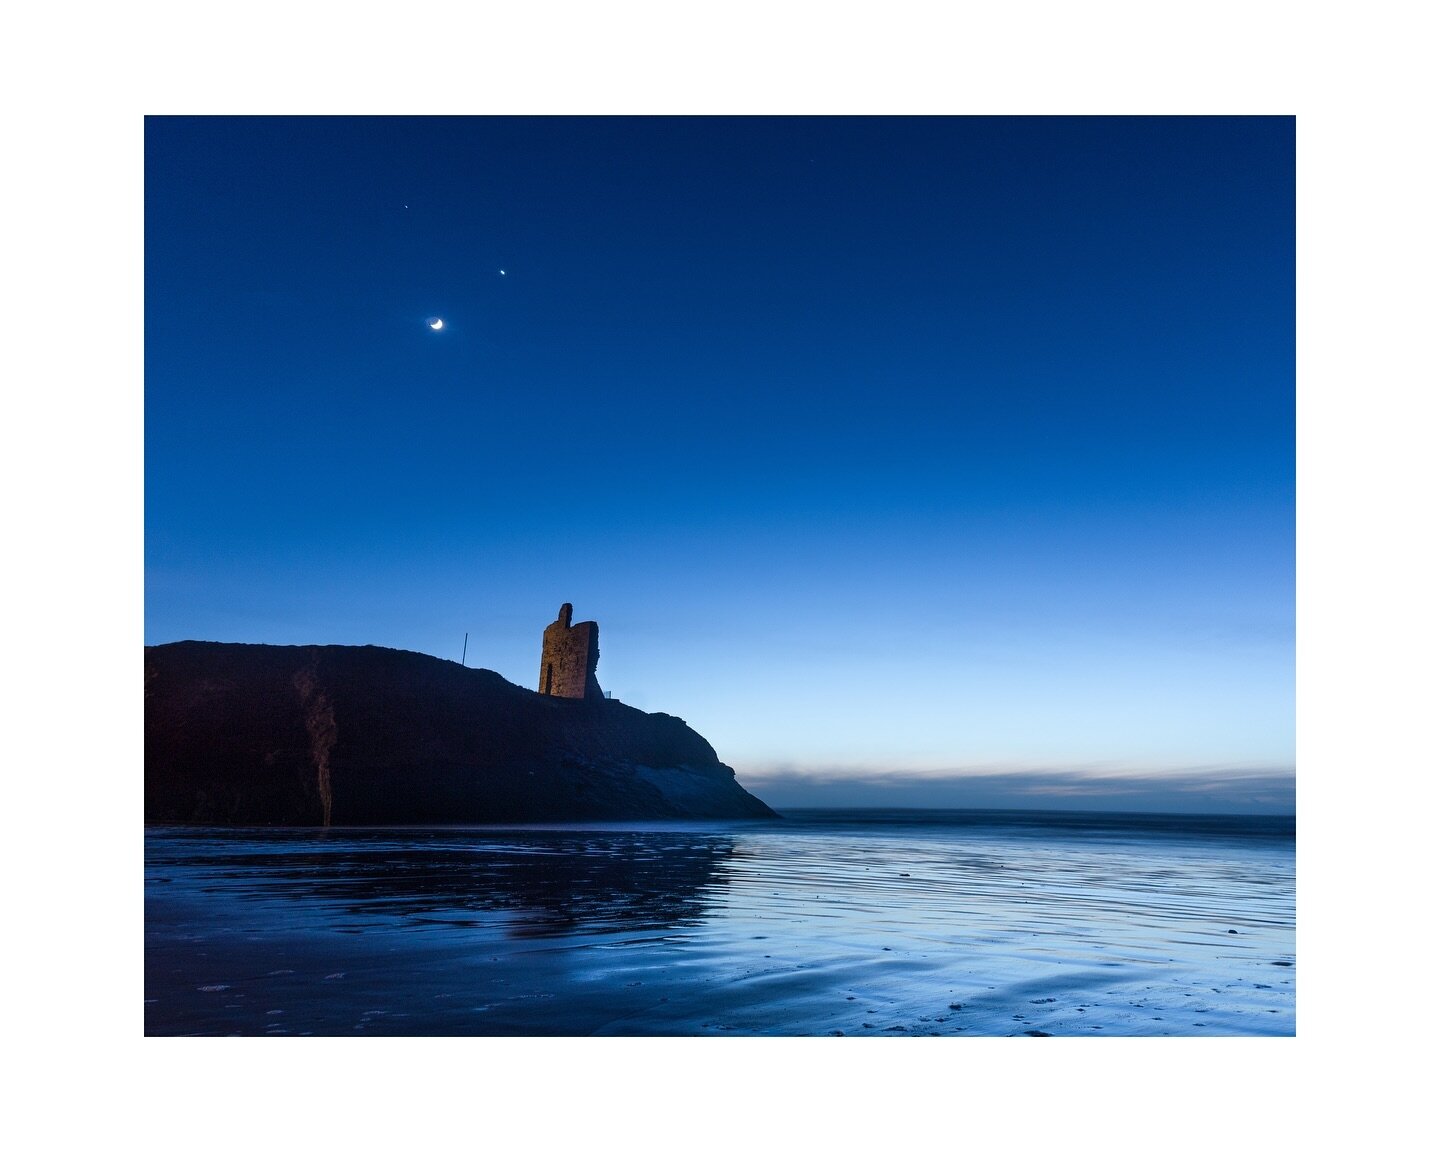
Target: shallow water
(868,923)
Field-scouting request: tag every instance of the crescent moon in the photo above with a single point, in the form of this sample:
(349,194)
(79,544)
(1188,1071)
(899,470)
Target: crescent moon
(436,323)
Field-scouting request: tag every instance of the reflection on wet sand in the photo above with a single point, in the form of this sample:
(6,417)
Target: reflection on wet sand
(551,884)
(867,925)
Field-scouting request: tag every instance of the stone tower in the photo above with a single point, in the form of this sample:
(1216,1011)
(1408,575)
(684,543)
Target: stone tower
(568,656)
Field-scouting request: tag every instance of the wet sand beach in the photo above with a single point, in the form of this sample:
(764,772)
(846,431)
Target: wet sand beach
(861,923)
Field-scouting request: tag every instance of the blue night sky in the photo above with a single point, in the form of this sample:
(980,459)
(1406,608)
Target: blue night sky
(914,461)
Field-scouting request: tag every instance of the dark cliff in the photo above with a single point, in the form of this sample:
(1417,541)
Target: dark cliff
(261,734)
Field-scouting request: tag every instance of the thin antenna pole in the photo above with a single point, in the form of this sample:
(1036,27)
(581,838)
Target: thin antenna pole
(464,649)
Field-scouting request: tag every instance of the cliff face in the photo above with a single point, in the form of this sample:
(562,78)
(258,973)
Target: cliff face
(260,734)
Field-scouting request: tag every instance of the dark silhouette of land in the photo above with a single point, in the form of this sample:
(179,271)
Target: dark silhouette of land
(318,735)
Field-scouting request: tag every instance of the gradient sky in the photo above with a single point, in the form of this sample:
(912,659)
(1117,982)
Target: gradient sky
(909,460)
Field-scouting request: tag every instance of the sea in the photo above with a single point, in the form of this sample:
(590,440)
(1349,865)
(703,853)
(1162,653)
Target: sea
(878,923)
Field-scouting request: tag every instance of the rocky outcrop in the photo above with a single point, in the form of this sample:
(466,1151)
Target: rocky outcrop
(317,735)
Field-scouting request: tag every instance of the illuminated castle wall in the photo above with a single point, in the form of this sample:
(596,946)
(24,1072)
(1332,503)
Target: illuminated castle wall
(568,655)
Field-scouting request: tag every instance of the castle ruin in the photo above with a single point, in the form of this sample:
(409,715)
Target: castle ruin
(568,655)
